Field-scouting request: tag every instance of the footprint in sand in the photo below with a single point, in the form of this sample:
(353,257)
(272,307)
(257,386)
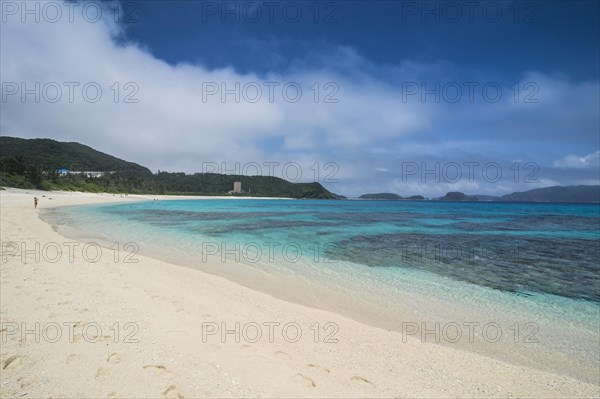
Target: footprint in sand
(317,367)
(282,355)
(24,382)
(12,362)
(106,338)
(92,338)
(179,307)
(171,392)
(306,381)
(156,367)
(362,379)
(73,358)
(159,297)
(102,374)
(114,358)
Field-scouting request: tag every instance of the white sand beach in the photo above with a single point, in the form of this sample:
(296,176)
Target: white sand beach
(71,327)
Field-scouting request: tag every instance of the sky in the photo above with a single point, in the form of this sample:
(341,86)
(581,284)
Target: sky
(410,97)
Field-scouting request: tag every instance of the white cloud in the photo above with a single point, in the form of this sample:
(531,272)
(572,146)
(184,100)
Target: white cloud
(437,190)
(173,127)
(572,161)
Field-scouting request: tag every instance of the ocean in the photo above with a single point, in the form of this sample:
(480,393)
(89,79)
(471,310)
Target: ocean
(527,271)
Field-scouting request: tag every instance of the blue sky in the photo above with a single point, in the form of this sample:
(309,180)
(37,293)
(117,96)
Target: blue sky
(547,36)
(386,87)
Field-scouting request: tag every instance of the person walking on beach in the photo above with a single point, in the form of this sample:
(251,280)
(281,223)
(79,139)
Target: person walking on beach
(35,201)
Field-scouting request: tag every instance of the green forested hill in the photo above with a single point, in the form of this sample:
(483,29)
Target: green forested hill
(50,155)
(264,186)
(457,196)
(32,163)
(381,196)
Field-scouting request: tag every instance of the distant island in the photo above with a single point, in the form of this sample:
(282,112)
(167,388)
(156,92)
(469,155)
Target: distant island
(457,196)
(546,194)
(381,196)
(390,197)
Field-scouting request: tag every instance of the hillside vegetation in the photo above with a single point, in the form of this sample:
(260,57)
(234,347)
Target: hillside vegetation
(33,163)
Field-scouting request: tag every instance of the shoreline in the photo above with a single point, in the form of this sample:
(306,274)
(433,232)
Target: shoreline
(530,329)
(168,304)
(524,324)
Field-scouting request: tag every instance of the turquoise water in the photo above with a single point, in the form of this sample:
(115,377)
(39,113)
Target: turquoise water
(390,262)
(525,249)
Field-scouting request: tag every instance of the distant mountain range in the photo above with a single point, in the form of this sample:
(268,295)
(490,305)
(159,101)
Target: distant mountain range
(550,194)
(546,194)
(557,194)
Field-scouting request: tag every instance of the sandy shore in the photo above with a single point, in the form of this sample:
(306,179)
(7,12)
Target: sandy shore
(75,328)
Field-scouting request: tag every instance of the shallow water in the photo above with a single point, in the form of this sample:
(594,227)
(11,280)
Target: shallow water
(532,269)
